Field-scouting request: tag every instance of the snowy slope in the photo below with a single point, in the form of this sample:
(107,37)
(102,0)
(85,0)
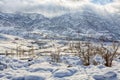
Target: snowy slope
(87,22)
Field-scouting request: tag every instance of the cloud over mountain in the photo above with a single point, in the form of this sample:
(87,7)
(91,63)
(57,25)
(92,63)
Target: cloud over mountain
(57,7)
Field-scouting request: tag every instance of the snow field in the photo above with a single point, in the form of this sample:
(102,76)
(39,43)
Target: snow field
(42,69)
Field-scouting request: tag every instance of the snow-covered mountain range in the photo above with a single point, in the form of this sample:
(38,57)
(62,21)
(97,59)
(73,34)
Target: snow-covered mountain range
(85,23)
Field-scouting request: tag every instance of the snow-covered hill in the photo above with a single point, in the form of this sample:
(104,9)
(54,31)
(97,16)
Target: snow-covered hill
(88,23)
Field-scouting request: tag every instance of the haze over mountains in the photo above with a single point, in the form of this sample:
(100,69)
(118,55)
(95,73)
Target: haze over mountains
(89,19)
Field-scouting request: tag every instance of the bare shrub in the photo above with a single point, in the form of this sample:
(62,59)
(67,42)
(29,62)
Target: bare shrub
(85,50)
(55,55)
(109,53)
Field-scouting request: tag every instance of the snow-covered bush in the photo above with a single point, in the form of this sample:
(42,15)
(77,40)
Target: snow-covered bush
(88,52)
(85,51)
(55,57)
(109,53)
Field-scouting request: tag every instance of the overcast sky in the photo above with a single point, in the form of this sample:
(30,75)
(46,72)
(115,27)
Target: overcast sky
(56,7)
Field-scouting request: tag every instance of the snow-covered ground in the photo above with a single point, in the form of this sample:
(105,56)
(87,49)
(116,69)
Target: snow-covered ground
(12,42)
(41,68)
